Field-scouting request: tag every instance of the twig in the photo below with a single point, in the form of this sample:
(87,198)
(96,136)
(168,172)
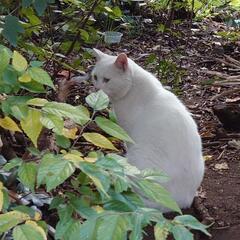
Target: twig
(83,128)
(225,93)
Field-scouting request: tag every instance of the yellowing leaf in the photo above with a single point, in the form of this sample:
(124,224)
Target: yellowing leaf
(19,62)
(37,216)
(37,228)
(75,159)
(25,78)
(99,140)
(9,124)
(1,196)
(11,219)
(32,126)
(90,159)
(70,133)
(98,208)
(39,102)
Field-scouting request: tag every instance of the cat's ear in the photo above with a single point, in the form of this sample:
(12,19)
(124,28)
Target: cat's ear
(98,54)
(122,61)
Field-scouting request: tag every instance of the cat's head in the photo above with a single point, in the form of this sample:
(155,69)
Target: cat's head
(112,74)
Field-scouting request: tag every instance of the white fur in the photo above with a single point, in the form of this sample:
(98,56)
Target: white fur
(165,135)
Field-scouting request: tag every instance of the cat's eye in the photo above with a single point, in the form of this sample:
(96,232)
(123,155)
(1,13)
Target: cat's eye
(106,80)
(95,77)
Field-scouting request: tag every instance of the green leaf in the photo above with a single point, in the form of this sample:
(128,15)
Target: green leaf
(86,231)
(98,101)
(136,233)
(112,227)
(58,200)
(19,62)
(112,129)
(84,34)
(53,122)
(100,178)
(11,29)
(99,140)
(191,222)
(5,59)
(64,229)
(33,86)
(64,110)
(81,206)
(32,126)
(180,232)
(40,76)
(24,209)
(40,6)
(157,193)
(27,173)
(29,232)
(54,170)
(11,219)
(26,3)
(10,75)
(62,141)
(154,175)
(15,162)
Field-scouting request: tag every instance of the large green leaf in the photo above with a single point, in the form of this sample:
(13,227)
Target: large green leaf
(155,175)
(191,222)
(81,206)
(100,178)
(86,231)
(27,173)
(32,126)
(136,233)
(65,228)
(113,227)
(5,59)
(98,100)
(40,76)
(157,193)
(112,129)
(64,110)
(54,170)
(12,28)
(29,231)
(53,122)
(181,233)
(11,219)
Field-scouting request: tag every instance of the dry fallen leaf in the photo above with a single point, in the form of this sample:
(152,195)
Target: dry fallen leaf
(221,166)
(207,157)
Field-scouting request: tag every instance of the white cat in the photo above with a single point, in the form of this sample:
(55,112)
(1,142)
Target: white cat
(165,134)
